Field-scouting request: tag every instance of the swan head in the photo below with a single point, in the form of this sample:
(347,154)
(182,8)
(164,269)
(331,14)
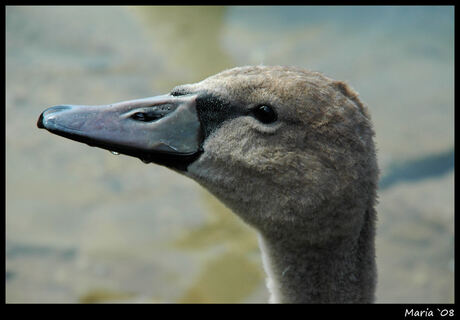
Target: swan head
(286,149)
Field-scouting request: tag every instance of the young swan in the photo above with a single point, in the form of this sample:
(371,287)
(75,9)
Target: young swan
(290,151)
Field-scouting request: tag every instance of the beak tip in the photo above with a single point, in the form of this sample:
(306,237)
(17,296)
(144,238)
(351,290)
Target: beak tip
(40,122)
(45,115)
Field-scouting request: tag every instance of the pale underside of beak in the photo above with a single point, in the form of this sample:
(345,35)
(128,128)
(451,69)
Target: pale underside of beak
(163,129)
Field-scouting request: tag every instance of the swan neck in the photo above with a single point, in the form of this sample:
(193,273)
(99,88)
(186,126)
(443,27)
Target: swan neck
(341,271)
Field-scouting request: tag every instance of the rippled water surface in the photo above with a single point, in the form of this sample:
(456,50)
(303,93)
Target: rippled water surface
(84,225)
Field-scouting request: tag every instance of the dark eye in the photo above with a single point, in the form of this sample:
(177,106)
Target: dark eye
(265,114)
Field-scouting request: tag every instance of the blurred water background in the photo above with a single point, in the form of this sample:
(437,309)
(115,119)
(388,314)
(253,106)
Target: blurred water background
(83,225)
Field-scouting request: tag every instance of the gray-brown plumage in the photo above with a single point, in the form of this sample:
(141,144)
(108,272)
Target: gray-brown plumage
(307,182)
(304,176)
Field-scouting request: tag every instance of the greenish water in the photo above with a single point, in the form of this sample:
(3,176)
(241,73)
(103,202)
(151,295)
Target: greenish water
(85,226)
(424,168)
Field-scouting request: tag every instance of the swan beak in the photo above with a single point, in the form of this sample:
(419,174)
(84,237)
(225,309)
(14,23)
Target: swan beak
(163,129)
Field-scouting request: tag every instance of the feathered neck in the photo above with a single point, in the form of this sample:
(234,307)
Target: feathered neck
(340,271)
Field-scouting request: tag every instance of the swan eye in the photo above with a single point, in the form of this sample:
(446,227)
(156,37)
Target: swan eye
(265,114)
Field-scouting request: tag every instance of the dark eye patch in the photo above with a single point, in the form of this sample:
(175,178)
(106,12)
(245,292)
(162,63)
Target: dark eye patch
(213,111)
